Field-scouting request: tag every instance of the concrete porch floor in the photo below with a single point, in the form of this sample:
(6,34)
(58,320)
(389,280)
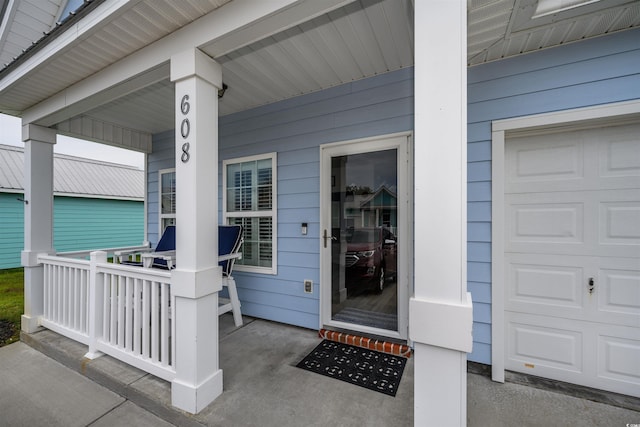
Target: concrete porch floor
(262,388)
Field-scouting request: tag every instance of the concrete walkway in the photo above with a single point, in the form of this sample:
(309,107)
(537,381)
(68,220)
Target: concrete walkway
(35,390)
(262,388)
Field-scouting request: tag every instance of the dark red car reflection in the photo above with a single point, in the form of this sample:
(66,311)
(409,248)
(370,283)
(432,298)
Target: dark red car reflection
(371,258)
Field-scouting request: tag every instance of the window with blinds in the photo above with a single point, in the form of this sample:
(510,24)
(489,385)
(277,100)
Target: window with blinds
(249,200)
(167,190)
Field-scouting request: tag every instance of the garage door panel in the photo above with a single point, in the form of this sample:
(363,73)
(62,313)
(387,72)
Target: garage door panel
(539,281)
(618,292)
(619,150)
(618,361)
(607,158)
(620,224)
(536,342)
(538,163)
(600,356)
(548,222)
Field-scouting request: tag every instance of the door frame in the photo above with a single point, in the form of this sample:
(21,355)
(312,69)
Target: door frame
(559,121)
(401,141)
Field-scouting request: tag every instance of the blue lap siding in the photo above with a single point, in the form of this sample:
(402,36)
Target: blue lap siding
(593,72)
(597,71)
(295,129)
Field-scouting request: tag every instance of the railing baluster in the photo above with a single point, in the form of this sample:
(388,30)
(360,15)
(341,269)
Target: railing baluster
(137,313)
(164,318)
(76,299)
(113,303)
(56,294)
(106,309)
(155,311)
(146,318)
(122,298)
(65,296)
(129,319)
(84,297)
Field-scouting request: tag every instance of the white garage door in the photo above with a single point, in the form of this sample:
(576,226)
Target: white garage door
(572,257)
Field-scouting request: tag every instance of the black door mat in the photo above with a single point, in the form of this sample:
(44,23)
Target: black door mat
(370,369)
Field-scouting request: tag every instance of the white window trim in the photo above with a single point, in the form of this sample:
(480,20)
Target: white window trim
(161,216)
(273,212)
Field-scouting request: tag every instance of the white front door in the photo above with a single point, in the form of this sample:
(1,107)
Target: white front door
(365,236)
(572,257)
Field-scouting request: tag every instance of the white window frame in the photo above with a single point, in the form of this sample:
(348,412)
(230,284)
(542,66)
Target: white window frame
(273,213)
(162,216)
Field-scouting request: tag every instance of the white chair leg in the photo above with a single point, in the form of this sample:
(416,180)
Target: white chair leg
(235,301)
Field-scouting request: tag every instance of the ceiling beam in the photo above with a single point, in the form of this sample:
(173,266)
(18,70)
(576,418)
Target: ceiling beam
(91,129)
(233,25)
(78,98)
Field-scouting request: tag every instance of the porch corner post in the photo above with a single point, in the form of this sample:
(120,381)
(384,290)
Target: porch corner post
(440,312)
(38,217)
(196,281)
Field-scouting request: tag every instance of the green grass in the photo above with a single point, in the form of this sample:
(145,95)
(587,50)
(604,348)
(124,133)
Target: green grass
(11,301)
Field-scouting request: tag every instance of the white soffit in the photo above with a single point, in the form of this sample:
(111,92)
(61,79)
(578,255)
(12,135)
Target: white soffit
(502,28)
(360,40)
(23,23)
(136,25)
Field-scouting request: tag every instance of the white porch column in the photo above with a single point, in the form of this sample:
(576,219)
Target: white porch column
(197,279)
(440,313)
(38,217)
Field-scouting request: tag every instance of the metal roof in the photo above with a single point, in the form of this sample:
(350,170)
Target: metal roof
(75,176)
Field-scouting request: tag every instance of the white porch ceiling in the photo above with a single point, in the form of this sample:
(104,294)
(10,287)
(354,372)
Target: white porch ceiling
(361,39)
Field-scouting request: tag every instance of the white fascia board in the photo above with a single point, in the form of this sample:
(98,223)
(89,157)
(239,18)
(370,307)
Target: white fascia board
(237,16)
(89,23)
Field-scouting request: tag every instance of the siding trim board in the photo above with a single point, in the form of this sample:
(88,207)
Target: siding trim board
(581,118)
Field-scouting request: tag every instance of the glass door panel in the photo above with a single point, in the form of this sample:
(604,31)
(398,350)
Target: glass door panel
(364,229)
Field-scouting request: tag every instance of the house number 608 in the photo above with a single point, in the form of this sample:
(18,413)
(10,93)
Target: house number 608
(185,128)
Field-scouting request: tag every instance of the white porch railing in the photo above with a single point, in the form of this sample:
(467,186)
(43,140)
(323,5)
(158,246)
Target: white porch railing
(119,310)
(66,297)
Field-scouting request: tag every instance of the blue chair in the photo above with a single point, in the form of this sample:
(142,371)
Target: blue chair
(229,243)
(166,243)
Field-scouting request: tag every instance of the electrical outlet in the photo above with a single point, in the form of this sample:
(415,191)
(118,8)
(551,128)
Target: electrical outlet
(308,286)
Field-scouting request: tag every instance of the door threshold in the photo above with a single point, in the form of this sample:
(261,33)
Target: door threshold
(383,345)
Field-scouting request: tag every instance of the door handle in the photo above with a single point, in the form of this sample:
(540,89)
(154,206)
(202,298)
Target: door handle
(592,285)
(327,236)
